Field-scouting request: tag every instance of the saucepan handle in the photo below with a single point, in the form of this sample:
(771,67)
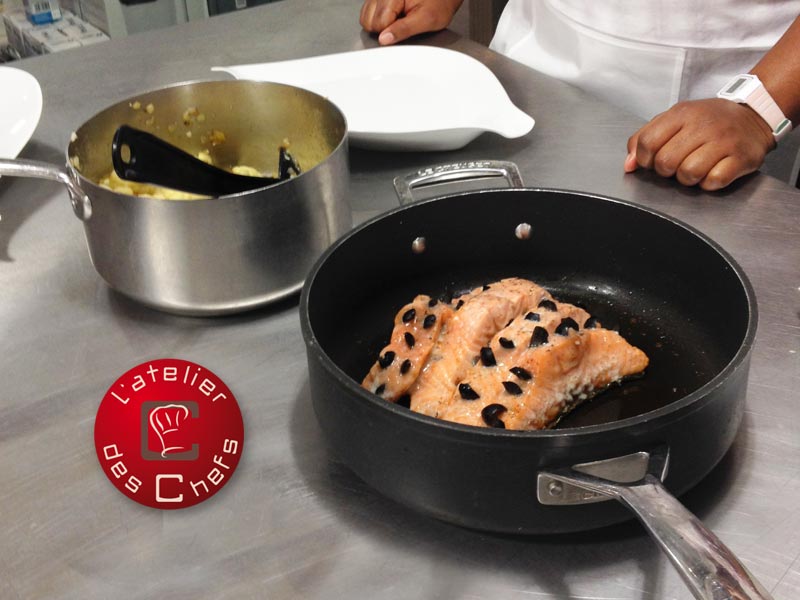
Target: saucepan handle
(709,568)
(461,171)
(81,205)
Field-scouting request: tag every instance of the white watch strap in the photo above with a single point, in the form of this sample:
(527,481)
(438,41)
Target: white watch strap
(761,102)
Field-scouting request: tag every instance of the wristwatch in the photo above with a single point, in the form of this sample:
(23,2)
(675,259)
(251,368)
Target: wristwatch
(748,89)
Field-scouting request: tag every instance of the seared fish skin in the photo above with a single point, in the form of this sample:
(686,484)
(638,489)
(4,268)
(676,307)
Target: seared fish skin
(506,355)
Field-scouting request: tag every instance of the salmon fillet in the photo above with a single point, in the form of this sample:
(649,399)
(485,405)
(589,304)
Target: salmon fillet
(505,355)
(476,317)
(416,329)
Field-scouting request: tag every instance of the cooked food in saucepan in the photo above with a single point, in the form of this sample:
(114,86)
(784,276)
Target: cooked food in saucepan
(144,190)
(505,355)
(167,172)
(287,168)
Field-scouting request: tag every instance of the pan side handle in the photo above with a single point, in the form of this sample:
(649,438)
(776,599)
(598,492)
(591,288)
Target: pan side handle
(462,171)
(81,205)
(707,566)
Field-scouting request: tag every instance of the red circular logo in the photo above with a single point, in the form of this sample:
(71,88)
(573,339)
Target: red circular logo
(169,433)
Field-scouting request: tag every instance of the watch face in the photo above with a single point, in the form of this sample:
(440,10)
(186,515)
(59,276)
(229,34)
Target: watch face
(739,88)
(736,85)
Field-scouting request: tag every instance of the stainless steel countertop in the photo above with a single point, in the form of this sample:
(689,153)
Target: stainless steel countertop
(293,522)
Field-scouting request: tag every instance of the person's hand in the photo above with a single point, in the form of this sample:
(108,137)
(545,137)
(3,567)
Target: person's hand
(397,20)
(709,143)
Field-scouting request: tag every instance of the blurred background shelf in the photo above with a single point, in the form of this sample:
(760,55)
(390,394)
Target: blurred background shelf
(477,19)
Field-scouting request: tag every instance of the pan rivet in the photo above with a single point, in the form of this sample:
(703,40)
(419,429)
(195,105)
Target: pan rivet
(523,231)
(555,488)
(418,245)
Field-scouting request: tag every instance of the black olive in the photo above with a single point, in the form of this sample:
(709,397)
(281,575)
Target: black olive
(432,302)
(429,321)
(521,373)
(591,323)
(466,392)
(532,316)
(486,287)
(409,315)
(487,357)
(405,366)
(548,305)
(380,389)
(410,341)
(387,359)
(491,414)
(512,388)
(404,400)
(565,325)
(539,337)
(506,343)
(459,304)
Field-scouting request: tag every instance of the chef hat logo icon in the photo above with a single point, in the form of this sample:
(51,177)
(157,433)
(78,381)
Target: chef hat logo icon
(166,422)
(169,430)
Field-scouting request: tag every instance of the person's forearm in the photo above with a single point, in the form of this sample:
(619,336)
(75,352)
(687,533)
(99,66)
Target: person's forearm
(779,71)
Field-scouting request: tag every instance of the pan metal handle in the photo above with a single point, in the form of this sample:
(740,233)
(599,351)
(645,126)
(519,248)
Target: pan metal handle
(81,205)
(707,566)
(461,171)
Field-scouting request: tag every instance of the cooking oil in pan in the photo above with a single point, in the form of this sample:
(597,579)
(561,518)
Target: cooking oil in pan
(681,357)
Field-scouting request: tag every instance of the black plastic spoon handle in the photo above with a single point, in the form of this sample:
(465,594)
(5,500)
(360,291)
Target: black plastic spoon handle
(152,160)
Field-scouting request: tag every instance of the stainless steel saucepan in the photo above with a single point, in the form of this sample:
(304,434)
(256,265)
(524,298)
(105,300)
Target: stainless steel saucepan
(221,255)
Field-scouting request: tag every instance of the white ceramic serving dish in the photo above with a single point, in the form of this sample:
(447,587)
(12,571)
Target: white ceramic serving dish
(407,98)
